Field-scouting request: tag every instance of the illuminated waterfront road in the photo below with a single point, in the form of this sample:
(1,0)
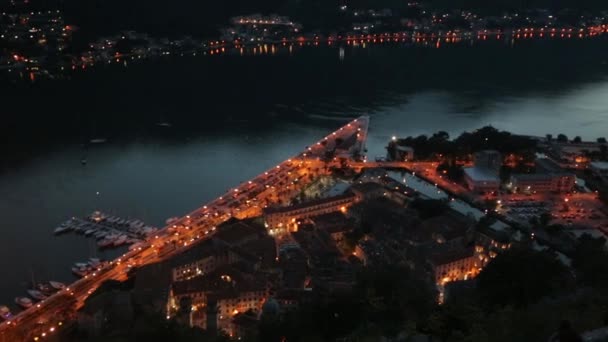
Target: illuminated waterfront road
(274,187)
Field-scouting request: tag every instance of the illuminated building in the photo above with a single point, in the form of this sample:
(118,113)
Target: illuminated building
(549,177)
(231,290)
(483,177)
(454,265)
(481,180)
(282,219)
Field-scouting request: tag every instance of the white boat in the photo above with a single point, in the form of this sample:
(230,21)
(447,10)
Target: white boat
(57,285)
(36,294)
(90,232)
(24,302)
(94,262)
(81,264)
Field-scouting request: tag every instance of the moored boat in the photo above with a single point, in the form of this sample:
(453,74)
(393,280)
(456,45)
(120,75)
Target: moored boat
(80,272)
(35,294)
(107,242)
(57,285)
(120,241)
(45,288)
(94,262)
(24,302)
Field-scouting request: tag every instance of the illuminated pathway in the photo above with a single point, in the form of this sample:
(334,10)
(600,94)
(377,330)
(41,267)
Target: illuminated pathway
(275,186)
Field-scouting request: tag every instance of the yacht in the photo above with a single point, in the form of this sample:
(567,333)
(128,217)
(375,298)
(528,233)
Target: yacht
(36,294)
(24,302)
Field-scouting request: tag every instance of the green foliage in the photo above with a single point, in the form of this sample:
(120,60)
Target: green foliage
(468,142)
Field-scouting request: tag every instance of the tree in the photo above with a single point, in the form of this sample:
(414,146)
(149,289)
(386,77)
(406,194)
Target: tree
(562,138)
(601,140)
(521,277)
(451,171)
(428,208)
(549,137)
(577,140)
(590,260)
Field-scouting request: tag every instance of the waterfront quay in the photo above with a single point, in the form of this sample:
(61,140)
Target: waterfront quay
(276,186)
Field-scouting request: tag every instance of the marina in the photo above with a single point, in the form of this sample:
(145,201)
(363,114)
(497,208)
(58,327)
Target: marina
(109,231)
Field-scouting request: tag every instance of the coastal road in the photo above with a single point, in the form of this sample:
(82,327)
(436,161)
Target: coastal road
(274,187)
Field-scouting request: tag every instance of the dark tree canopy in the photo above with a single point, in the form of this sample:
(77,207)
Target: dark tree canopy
(521,277)
(428,208)
(590,261)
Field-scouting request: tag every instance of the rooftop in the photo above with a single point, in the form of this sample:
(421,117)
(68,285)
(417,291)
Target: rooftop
(238,232)
(497,235)
(224,282)
(480,175)
(328,200)
(531,177)
(600,165)
(449,256)
(367,188)
(546,165)
(450,225)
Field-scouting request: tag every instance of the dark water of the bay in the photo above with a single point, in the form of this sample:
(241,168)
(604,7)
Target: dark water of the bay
(227,118)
